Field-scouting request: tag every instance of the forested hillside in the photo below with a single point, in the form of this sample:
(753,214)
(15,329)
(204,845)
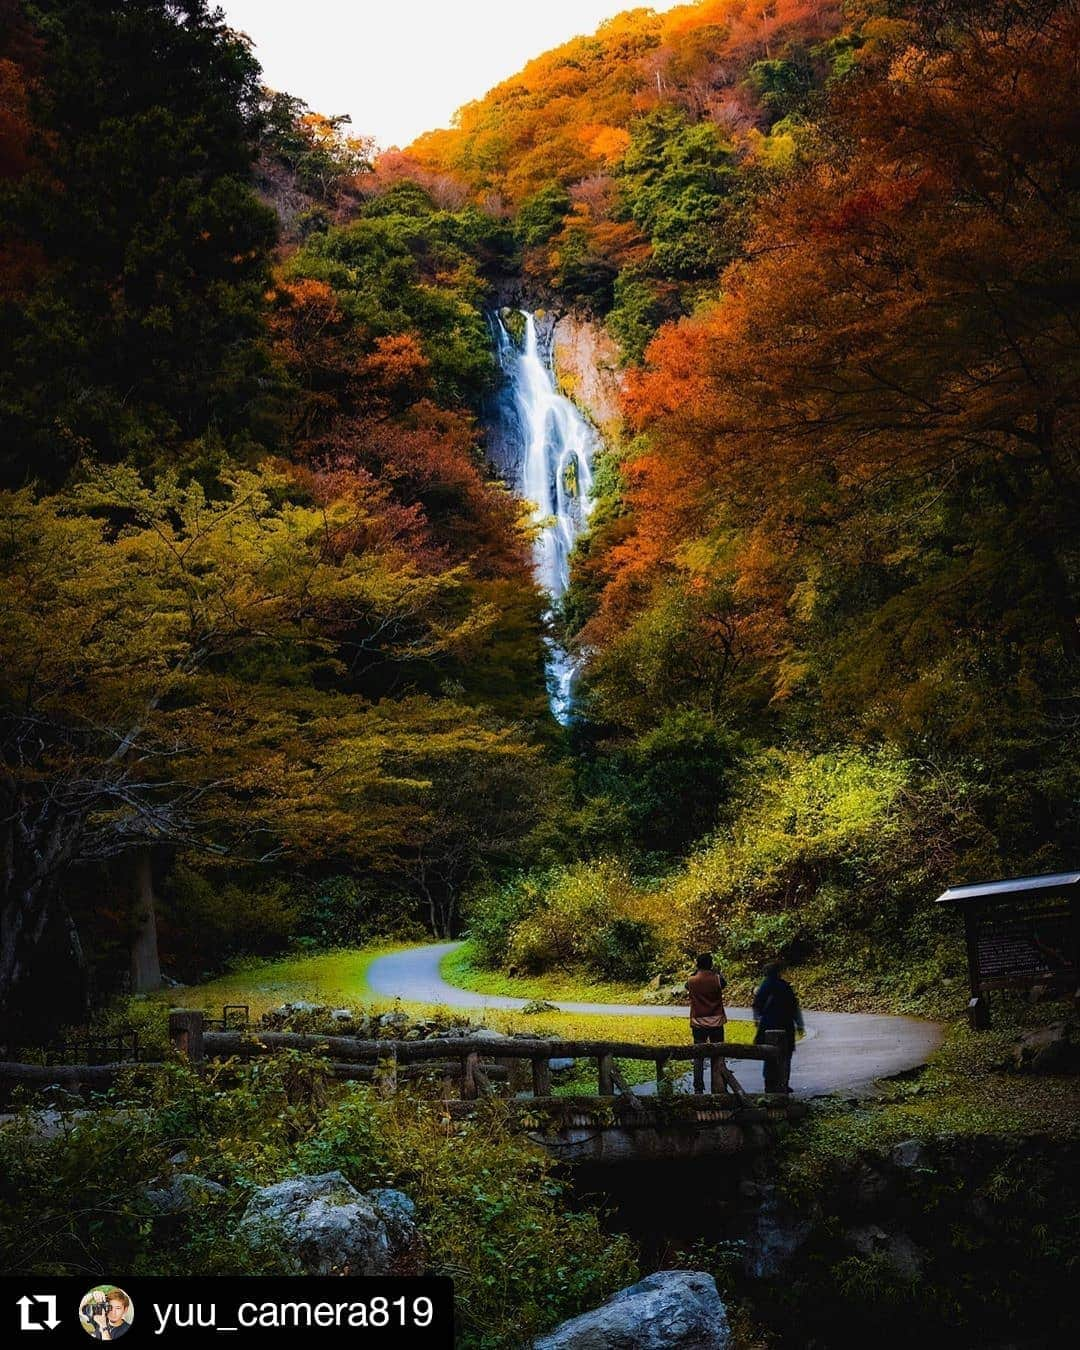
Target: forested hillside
(276,671)
(272,646)
(827,608)
(291,679)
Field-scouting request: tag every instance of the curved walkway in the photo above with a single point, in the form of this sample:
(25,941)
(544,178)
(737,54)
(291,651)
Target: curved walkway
(842,1052)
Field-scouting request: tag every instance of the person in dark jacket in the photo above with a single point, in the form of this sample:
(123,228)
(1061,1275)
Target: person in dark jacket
(707,1014)
(776,1008)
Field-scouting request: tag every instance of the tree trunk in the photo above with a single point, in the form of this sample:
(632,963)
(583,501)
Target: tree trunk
(145,962)
(43,975)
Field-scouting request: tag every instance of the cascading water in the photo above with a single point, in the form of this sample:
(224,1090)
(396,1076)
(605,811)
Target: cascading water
(553,468)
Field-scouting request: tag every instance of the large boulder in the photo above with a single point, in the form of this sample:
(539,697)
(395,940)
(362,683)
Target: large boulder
(896,1249)
(327,1227)
(666,994)
(1053,1049)
(184,1192)
(671,1310)
(777,1232)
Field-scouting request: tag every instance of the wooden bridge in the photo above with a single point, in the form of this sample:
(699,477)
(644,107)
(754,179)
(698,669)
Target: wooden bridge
(616,1123)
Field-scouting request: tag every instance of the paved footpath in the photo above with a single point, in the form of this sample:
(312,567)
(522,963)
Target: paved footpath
(841,1052)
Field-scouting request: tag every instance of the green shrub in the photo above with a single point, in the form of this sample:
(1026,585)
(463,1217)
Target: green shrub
(492,914)
(341,911)
(491,1213)
(578,902)
(827,854)
(207,918)
(625,949)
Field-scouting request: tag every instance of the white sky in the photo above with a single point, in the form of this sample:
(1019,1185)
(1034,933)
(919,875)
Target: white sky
(401,67)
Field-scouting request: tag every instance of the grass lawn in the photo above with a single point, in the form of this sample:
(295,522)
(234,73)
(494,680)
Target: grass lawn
(459,968)
(339,978)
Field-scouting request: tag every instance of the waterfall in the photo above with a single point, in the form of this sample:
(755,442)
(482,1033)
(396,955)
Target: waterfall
(552,447)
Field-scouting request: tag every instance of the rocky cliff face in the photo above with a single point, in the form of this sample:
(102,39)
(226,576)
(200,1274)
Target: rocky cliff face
(587,368)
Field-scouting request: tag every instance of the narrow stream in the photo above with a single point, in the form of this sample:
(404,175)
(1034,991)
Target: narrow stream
(552,449)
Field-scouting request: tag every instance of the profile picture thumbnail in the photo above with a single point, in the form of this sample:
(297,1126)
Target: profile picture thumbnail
(106,1313)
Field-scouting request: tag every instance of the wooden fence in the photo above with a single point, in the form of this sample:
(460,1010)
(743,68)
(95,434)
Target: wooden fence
(473,1065)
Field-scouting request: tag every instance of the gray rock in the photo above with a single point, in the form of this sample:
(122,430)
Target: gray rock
(341,1015)
(398,1212)
(672,993)
(896,1249)
(671,1310)
(561,1065)
(392,1021)
(1050,1049)
(297,1015)
(327,1227)
(185,1192)
(776,1233)
(868,1186)
(488,1034)
(909,1153)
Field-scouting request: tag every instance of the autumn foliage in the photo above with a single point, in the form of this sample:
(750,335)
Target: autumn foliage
(858,472)
(266,613)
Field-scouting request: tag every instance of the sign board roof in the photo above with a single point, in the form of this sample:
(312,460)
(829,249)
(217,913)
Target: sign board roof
(1059,883)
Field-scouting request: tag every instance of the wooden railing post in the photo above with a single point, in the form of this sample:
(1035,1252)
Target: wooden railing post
(386,1072)
(541,1073)
(624,1088)
(661,1067)
(716,1073)
(469,1086)
(606,1084)
(186,1033)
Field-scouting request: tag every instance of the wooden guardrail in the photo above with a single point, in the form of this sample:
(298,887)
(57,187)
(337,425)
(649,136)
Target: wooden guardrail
(472,1064)
(465,1059)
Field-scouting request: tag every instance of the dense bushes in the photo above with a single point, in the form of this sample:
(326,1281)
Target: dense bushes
(807,852)
(491,1213)
(833,857)
(586,916)
(341,911)
(208,918)
(830,857)
(663,790)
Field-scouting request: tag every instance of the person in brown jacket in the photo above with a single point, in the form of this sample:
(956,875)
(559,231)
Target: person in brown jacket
(707,1015)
